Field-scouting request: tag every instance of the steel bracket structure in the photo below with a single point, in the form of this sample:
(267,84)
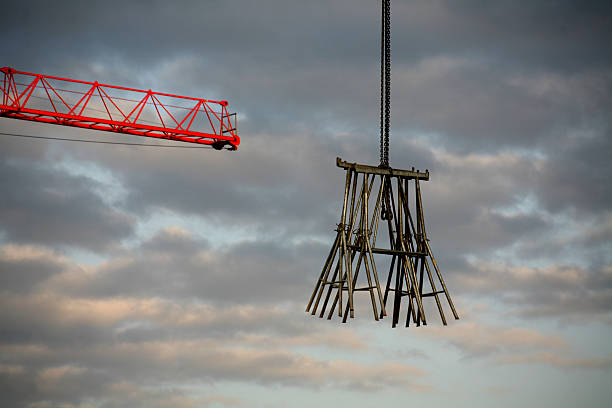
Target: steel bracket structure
(92,105)
(413,272)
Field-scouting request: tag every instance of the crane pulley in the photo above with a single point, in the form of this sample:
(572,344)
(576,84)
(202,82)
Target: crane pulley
(92,105)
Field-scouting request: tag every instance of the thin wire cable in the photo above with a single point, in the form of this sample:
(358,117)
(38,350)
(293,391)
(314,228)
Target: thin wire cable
(104,142)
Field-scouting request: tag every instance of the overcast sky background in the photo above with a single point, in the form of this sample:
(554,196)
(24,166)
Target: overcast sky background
(142,277)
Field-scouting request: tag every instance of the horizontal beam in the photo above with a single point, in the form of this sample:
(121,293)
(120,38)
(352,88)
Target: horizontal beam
(389,251)
(432,293)
(362,168)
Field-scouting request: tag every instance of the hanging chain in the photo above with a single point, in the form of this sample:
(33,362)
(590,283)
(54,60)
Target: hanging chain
(385,102)
(387,79)
(382,84)
(385,82)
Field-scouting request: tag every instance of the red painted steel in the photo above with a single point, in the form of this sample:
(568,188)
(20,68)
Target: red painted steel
(91,105)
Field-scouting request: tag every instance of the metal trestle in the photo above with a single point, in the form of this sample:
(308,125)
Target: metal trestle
(413,272)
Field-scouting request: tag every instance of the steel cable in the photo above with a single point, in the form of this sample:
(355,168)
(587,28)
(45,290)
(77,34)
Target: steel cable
(65,139)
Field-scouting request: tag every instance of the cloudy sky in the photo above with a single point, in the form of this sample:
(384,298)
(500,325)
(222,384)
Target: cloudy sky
(149,277)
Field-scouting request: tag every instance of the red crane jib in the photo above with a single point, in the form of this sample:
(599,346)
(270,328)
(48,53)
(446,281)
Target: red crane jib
(91,105)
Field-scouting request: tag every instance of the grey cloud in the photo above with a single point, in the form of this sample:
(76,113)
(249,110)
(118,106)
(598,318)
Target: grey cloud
(281,185)
(127,364)
(12,146)
(24,268)
(16,385)
(560,32)
(163,289)
(45,205)
(255,348)
(515,345)
(559,361)
(477,339)
(274,26)
(564,292)
(577,174)
(466,195)
(577,237)
(134,395)
(177,265)
(477,105)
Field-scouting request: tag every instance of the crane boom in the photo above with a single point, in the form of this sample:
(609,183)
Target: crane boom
(92,105)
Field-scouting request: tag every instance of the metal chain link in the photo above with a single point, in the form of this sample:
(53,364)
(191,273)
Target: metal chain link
(382,80)
(387,78)
(385,82)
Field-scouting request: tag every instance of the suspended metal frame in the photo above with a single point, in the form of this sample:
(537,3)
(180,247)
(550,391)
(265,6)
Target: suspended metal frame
(413,273)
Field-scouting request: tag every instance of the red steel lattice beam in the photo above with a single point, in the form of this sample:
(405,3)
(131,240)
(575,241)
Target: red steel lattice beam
(91,105)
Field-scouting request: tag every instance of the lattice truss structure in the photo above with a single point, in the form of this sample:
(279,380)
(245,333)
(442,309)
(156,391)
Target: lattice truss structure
(91,105)
(381,229)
